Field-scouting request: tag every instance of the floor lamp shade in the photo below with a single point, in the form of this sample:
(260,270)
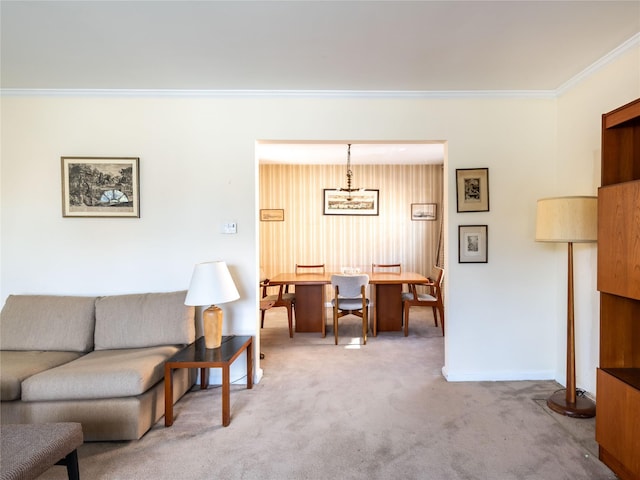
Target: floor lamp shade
(568,220)
(211,284)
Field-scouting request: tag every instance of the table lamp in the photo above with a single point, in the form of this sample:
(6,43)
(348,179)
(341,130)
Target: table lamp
(211,283)
(568,220)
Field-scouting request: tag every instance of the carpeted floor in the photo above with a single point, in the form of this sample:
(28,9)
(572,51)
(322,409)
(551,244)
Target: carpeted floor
(380,411)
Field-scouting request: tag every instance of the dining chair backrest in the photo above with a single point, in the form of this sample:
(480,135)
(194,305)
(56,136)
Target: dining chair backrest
(386,266)
(439,276)
(349,286)
(306,268)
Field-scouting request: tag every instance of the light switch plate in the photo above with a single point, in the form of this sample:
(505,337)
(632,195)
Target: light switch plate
(229,227)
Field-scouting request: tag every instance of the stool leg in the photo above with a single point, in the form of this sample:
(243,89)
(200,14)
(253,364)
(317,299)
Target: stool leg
(71,462)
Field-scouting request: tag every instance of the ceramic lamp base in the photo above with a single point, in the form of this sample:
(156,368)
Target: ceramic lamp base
(212,324)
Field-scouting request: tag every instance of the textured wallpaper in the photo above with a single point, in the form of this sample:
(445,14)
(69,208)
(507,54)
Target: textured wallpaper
(308,236)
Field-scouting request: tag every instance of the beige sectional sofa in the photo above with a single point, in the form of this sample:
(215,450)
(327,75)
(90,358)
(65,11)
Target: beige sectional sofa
(98,361)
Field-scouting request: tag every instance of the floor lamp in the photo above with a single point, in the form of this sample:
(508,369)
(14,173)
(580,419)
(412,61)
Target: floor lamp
(568,220)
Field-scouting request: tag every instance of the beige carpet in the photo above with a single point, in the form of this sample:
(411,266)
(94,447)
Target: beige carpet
(380,411)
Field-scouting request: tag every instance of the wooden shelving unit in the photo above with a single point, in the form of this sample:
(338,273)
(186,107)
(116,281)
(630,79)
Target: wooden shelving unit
(618,387)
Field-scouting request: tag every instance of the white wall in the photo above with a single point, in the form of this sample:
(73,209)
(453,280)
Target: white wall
(495,329)
(198,169)
(578,171)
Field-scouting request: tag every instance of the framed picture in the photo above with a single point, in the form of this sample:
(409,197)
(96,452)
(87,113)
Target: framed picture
(100,187)
(272,215)
(423,211)
(361,202)
(472,189)
(472,244)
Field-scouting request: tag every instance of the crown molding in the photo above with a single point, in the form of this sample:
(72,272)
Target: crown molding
(601,63)
(372,94)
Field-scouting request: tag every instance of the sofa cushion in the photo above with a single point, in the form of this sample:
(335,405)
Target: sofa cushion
(47,322)
(100,374)
(143,320)
(15,367)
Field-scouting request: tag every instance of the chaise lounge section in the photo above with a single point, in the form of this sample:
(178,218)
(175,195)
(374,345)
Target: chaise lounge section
(97,361)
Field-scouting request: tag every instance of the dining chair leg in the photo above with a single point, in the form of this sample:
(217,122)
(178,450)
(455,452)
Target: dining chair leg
(335,324)
(406,320)
(365,326)
(290,318)
(435,316)
(324,323)
(262,319)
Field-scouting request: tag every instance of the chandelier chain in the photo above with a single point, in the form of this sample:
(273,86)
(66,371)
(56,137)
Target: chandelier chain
(349,171)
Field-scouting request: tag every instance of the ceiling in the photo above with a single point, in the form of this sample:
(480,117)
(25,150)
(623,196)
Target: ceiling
(344,47)
(308,45)
(362,153)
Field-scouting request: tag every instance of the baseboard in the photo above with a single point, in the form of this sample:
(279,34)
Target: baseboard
(497,376)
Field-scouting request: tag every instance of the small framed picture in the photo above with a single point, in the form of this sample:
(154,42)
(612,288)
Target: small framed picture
(472,189)
(100,187)
(472,244)
(272,215)
(423,211)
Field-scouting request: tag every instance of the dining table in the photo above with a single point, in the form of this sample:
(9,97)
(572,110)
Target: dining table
(311,298)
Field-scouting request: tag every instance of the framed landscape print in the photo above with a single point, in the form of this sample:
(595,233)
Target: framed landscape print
(100,187)
(423,211)
(472,244)
(272,215)
(360,202)
(472,189)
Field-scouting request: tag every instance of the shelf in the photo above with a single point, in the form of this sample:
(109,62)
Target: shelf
(621,144)
(630,376)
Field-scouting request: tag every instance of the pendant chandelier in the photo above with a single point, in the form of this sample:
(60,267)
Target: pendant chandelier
(349,189)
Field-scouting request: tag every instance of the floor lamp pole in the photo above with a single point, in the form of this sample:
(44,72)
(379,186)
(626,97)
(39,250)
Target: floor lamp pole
(566,401)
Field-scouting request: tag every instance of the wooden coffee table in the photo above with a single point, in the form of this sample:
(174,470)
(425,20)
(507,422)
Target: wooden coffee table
(196,355)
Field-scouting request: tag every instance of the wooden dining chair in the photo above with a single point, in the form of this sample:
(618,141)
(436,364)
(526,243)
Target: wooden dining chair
(281,299)
(431,299)
(306,268)
(350,298)
(386,267)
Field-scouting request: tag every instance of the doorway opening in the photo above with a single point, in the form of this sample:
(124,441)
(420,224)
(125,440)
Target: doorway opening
(294,228)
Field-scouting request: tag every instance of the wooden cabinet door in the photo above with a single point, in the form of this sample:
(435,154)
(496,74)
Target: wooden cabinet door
(618,425)
(619,239)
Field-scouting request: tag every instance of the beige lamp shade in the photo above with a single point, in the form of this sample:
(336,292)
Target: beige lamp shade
(567,219)
(211,283)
